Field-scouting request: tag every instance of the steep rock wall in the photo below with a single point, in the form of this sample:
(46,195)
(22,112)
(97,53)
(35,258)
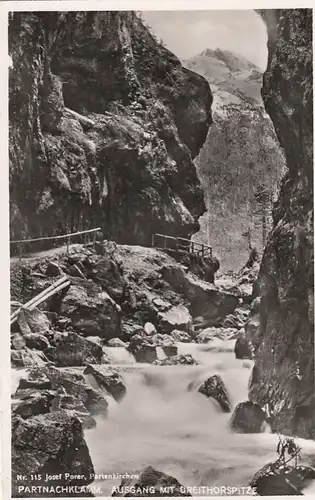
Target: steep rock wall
(104,125)
(283,375)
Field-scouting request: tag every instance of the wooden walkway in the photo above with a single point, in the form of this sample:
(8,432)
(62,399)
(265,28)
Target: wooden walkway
(21,243)
(163,242)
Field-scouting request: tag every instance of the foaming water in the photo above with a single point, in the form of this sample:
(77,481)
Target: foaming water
(180,432)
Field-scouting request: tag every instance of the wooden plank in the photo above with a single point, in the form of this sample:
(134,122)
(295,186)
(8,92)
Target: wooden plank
(41,299)
(41,294)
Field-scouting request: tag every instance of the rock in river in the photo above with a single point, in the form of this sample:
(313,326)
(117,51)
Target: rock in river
(214,388)
(274,479)
(247,418)
(109,379)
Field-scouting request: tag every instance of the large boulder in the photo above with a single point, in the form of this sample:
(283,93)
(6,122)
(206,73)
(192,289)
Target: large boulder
(50,444)
(53,269)
(129,329)
(26,403)
(24,358)
(116,343)
(274,479)
(33,321)
(214,388)
(146,348)
(206,299)
(247,418)
(91,310)
(150,483)
(109,379)
(108,274)
(36,379)
(74,350)
(72,406)
(36,341)
(142,349)
(178,317)
(75,384)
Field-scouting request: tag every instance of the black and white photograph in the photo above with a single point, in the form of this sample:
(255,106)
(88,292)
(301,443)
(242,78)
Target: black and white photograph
(161,252)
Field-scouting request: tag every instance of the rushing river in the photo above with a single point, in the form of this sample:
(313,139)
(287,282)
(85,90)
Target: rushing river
(182,433)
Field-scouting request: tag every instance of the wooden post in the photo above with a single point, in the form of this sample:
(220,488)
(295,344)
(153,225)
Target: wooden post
(202,250)
(94,239)
(192,247)
(152,240)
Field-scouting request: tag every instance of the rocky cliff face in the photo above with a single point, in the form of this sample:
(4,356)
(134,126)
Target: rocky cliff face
(104,124)
(240,159)
(283,376)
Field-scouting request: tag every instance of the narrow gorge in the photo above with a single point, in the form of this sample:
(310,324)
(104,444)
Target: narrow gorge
(146,369)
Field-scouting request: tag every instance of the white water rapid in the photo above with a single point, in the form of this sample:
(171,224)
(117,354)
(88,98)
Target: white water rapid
(182,433)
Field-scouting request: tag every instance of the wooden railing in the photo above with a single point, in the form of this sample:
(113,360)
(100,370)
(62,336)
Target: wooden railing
(67,237)
(177,243)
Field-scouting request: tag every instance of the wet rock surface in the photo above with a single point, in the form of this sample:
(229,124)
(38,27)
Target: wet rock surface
(247,418)
(214,388)
(274,479)
(91,310)
(109,379)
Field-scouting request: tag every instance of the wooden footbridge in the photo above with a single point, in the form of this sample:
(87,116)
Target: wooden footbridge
(165,242)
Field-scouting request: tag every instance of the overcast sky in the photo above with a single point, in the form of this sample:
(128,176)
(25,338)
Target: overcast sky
(187,33)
